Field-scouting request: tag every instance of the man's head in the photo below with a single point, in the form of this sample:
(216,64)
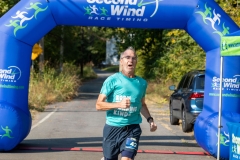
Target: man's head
(128,61)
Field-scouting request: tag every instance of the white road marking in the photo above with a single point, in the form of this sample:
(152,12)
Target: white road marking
(44,119)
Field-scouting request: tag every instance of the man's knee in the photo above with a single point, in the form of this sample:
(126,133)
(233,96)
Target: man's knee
(128,154)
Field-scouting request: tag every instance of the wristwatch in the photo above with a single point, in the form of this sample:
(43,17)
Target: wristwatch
(149,118)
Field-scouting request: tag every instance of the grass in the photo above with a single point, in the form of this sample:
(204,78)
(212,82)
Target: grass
(111,69)
(158,92)
(53,86)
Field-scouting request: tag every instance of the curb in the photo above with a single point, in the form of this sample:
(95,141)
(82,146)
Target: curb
(100,150)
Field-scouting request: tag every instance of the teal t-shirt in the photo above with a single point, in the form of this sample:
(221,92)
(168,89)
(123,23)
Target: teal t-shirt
(119,86)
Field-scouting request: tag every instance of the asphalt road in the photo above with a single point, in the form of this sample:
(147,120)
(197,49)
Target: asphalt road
(73,131)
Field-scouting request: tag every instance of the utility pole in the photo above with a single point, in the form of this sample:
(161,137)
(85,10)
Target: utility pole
(41,56)
(82,44)
(61,50)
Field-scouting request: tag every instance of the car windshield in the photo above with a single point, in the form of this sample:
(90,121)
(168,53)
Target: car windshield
(200,82)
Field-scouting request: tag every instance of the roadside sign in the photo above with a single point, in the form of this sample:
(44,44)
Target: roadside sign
(36,51)
(230,46)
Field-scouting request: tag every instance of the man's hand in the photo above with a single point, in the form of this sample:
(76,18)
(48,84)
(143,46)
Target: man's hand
(125,103)
(153,126)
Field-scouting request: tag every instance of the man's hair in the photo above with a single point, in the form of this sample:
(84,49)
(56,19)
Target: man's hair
(129,48)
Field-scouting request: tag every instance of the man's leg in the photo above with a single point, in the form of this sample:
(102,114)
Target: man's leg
(104,158)
(129,146)
(110,146)
(127,155)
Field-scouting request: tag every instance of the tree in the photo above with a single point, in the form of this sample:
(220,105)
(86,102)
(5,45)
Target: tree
(6,5)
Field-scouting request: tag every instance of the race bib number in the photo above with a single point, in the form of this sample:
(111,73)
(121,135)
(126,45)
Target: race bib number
(131,143)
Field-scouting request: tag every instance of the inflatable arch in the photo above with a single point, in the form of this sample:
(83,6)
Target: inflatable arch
(29,20)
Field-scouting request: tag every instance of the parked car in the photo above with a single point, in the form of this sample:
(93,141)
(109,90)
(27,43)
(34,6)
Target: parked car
(186,101)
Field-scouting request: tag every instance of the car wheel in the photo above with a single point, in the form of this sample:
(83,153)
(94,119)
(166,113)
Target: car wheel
(173,120)
(186,126)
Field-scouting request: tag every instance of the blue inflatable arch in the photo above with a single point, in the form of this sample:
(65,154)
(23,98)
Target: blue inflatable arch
(29,20)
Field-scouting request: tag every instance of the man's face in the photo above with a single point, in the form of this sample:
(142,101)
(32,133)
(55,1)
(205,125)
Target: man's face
(128,62)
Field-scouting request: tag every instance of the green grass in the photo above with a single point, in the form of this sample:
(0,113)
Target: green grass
(53,86)
(111,69)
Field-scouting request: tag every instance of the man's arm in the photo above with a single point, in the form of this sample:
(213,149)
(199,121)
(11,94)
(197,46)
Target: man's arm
(102,105)
(145,112)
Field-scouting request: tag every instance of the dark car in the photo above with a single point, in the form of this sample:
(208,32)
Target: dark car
(186,101)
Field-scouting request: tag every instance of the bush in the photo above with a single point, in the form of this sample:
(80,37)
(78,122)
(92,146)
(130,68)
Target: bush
(53,86)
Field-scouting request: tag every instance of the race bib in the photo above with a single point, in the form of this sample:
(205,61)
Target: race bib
(131,143)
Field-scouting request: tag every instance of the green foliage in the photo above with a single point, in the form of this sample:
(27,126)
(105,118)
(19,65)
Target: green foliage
(231,7)
(163,55)
(81,45)
(97,46)
(88,72)
(147,43)
(5,5)
(52,42)
(182,54)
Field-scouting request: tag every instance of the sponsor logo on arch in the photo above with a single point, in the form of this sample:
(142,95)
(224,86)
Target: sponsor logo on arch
(120,10)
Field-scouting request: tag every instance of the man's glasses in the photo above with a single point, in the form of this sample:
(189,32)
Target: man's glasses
(129,57)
